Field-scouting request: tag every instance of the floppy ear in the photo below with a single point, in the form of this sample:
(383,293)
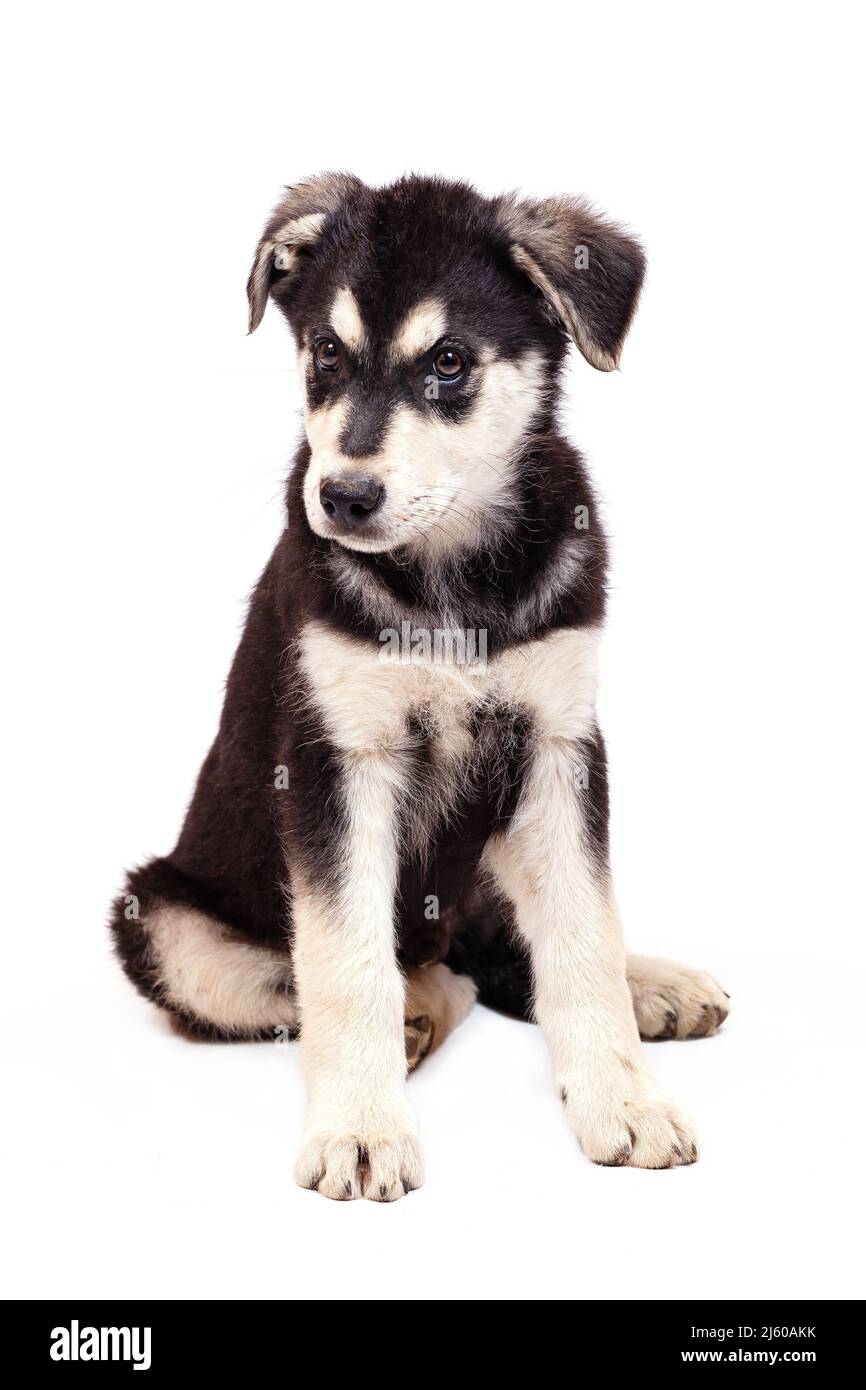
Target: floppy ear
(588,269)
(298,221)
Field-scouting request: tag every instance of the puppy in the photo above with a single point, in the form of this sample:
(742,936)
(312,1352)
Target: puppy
(406,805)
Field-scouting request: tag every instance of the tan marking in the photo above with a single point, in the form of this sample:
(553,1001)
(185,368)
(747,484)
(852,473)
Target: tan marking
(301,231)
(420,330)
(437,1001)
(345,319)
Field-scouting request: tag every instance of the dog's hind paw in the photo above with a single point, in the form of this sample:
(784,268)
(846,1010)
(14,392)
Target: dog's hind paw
(419,1033)
(671,1001)
(437,1001)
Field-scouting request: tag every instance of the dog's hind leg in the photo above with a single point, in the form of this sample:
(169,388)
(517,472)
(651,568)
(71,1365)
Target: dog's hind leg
(437,1001)
(215,985)
(671,1001)
(211,980)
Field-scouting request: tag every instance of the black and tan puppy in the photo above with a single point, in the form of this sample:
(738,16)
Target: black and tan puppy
(405,807)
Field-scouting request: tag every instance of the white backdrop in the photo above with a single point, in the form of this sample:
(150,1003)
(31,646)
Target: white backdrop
(147,439)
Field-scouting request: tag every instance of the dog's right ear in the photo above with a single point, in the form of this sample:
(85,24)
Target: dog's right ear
(297,222)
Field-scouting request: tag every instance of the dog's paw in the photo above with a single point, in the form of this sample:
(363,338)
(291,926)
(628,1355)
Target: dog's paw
(651,1134)
(380,1166)
(437,1001)
(419,1033)
(637,1128)
(671,1001)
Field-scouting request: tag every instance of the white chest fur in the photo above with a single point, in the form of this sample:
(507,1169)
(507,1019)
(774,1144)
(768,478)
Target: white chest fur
(365,696)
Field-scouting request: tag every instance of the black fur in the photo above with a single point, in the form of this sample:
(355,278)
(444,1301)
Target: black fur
(393,247)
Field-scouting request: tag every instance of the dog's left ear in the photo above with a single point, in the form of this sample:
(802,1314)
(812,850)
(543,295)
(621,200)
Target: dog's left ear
(296,224)
(587,268)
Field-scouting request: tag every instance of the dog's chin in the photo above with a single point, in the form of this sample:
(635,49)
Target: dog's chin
(367,544)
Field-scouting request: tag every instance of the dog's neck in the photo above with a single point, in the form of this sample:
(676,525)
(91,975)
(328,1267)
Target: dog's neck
(539,570)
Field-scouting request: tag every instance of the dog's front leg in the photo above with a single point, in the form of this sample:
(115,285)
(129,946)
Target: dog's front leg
(552,864)
(361,1138)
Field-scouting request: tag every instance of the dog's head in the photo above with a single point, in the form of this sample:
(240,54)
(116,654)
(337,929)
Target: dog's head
(431,325)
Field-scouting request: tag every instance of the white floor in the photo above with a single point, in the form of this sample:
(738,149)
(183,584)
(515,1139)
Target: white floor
(141,1165)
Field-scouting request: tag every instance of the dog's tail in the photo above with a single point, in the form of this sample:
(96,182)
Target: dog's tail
(213,981)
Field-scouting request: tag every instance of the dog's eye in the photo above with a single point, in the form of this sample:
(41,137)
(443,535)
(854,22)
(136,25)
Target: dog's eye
(327,354)
(448,364)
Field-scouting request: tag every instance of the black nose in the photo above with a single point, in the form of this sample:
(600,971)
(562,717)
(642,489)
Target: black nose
(350,499)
